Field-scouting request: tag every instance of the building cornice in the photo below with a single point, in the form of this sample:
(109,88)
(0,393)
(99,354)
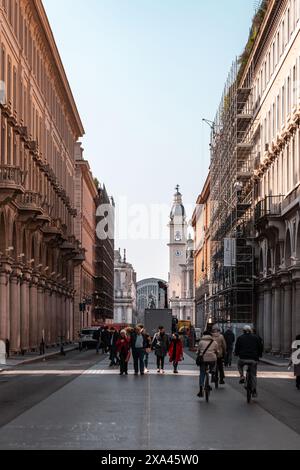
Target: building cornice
(46,28)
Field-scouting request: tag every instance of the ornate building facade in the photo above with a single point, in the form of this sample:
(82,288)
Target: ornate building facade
(86,192)
(201,226)
(125,291)
(255,183)
(276,140)
(40,125)
(181,263)
(104,258)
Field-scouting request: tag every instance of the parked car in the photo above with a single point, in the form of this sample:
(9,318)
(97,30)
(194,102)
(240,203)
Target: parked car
(86,338)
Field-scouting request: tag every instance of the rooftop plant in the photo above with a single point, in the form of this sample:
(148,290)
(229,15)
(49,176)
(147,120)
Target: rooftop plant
(256,24)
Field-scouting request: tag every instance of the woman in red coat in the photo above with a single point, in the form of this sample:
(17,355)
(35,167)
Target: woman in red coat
(123,349)
(176,351)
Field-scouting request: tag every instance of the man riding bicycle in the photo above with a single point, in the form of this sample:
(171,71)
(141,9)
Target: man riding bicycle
(208,351)
(249,349)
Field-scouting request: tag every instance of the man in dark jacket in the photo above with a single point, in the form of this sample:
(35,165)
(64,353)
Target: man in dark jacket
(105,337)
(248,348)
(230,339)
(139,344)
(97,337)
(114,336)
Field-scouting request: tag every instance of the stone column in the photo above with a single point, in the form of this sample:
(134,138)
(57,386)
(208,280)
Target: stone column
(58,314)
(33,312)
(5,270)
(64,313)
(68,335)
(260,319)
(73,331)
(267,317)
(296,312)
(53,315)
(25,307)
(276,309)
(287,315)
(15,309)
(47,309)
(41,310)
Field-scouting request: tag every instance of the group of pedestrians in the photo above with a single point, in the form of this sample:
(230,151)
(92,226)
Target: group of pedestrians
(138,343)
(215,349)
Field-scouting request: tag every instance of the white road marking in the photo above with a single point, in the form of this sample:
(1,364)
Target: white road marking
(183,372)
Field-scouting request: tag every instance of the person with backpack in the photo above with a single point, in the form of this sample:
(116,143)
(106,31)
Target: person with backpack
(207,356)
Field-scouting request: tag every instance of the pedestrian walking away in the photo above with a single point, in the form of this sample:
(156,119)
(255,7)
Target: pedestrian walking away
(176,352)
(7,348)
(207,357)
(139,345)
(97,338)
(229,337)
(248,349)
(114,336)
(160,345)
(219,338)
(123,350)
(105,338)
(147,351)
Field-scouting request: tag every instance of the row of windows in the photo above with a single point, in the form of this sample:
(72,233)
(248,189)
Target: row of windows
(23,104)
(282,108)
(284,174)
(281,40)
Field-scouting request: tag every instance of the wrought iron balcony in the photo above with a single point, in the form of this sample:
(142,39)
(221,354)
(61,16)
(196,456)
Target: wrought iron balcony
(270,206)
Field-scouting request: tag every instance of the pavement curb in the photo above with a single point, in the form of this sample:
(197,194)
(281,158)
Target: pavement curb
(37,358)
(273,363)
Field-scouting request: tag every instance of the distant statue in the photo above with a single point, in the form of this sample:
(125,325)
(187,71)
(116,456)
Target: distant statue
(151,304)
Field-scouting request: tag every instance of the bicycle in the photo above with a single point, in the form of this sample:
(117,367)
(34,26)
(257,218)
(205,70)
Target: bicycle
(216,376)
(207,387)
(248,383)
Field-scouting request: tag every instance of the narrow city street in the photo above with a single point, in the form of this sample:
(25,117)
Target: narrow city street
(78,402)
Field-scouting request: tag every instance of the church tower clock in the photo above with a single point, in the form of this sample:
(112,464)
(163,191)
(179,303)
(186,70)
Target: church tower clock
(177,245)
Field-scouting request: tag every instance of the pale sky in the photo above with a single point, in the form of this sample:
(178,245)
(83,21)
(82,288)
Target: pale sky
(144,73)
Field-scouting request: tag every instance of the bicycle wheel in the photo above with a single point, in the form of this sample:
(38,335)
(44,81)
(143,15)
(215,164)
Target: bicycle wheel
(207,390)
(248,388)
(216,378)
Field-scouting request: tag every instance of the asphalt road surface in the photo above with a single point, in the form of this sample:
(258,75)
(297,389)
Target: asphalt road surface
(79,402)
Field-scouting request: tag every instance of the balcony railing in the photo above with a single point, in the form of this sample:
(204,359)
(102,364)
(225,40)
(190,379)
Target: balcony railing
(11,176)
(270,206)
(30,199)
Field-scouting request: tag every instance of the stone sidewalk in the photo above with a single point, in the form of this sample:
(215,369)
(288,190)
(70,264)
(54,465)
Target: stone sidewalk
(18,360)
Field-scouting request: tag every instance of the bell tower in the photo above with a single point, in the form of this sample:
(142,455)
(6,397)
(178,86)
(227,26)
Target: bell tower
(177,245)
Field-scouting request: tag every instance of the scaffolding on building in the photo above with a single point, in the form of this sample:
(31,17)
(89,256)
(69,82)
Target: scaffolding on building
(232,165)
